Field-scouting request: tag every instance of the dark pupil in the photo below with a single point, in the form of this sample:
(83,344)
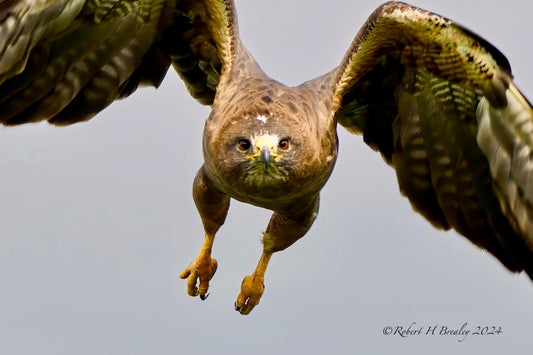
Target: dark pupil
(244,144)
(283,143)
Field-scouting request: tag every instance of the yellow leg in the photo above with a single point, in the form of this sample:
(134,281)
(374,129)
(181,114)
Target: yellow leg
(253,286)
(202,269)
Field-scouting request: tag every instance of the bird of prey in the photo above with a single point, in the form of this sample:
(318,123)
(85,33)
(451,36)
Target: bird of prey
(436,100)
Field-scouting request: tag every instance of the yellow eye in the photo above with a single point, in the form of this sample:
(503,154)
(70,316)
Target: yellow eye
(283,144)
(243,145)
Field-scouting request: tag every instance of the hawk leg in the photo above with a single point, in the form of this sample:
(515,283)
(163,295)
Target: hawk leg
(213,208)
(252,286)
(202,270)
(284,229)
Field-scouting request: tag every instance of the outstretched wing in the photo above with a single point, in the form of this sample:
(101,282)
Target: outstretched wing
(438,102)
(66,60)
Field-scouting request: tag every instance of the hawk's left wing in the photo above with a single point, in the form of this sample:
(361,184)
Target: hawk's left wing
(438,102)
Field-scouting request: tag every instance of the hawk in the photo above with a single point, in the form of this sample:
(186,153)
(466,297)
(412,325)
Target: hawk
(436,100)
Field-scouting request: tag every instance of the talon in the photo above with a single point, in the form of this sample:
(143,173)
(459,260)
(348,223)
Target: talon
(251,291)
(198,275)
(204,297)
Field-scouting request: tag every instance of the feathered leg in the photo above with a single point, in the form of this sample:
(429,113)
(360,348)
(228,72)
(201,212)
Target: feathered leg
(284,229)
(213,208)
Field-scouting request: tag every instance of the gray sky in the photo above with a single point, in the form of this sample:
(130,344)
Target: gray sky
(98,221)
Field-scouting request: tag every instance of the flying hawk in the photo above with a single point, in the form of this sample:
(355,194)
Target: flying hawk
(436,100)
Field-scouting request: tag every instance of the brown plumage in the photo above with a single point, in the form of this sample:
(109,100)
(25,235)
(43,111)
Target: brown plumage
(434,99)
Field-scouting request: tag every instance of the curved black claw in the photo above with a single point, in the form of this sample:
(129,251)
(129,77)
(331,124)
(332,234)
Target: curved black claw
(237,308)
(204,297)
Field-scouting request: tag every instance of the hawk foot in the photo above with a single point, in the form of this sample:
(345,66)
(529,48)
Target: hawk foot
(251,291)
(202,269)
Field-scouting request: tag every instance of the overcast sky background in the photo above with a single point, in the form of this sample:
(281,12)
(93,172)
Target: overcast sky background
(97,221)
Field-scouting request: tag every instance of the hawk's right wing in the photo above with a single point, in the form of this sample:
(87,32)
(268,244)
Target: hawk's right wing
(66,60)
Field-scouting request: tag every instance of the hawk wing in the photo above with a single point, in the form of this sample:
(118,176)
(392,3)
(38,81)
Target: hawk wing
(438,102)
(66,60)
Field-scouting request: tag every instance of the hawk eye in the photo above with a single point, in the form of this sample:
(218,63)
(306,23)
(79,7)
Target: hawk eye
(244,145)
(283,144)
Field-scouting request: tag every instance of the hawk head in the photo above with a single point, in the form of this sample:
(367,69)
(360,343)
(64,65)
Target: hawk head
(264,157)
(258,155)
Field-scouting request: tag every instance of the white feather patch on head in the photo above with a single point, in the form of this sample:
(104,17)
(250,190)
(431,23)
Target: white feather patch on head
(262,118)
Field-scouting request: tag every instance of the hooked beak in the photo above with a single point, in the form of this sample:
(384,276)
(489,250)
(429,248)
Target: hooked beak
(265,155)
